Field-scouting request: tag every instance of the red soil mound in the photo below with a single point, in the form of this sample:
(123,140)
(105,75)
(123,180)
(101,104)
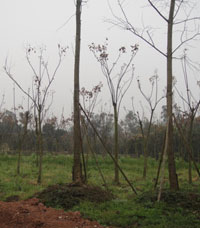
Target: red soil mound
(33,214)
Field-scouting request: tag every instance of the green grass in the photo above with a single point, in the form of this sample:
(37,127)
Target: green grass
(56,169)
(131,214)
(125,210)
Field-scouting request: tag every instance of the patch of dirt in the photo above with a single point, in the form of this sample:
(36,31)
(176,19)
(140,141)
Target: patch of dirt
(32,213)
(67,196)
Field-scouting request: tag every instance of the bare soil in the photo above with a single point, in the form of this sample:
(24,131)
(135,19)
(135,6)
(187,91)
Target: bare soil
(32,213)
(39,212)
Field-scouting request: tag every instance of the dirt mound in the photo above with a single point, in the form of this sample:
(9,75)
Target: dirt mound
(33,214)
(66,196)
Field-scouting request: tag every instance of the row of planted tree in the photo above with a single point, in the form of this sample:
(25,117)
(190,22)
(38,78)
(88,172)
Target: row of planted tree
(18,135)
(175,135)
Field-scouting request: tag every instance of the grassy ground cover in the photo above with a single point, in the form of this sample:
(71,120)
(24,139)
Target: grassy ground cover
(125,209)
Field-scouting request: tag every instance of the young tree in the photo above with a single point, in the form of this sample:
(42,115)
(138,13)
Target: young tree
(192,106)
(118,84)
(42,80)
(89,100)
(171,17)
(152,103)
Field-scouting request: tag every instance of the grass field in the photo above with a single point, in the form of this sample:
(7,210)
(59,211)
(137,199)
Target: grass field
(126,209)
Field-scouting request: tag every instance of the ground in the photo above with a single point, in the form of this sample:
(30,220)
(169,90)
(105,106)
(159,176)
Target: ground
(33,214)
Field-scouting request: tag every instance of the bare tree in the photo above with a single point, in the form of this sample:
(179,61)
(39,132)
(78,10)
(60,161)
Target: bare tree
(173,10)
(42,80)
(109,153)
(77,175)
(118,84)
(192,105)
(152,101)
(89,100)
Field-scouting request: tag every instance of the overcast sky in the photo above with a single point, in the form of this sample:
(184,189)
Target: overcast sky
(43,22)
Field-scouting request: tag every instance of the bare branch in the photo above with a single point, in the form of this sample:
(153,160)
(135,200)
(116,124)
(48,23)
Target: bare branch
(8,73)
(185,41)
(158,11)
(178,8)
(186,20)
(125,24)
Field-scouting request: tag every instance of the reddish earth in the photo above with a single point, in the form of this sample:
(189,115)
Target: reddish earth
(33,214)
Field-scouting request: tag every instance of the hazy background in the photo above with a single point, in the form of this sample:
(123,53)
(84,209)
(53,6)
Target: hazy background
(43,22)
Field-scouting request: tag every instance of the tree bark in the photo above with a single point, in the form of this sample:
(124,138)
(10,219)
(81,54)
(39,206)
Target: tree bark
(77,166)
(116,146)
(146,141)
(40,146)
(190,145)
(173,180)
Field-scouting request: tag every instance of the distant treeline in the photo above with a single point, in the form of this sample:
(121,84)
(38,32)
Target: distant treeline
(58,135)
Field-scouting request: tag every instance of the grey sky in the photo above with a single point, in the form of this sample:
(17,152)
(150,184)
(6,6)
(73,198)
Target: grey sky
(38,22)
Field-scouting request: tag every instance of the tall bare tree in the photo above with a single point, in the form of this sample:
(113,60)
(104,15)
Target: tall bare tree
(118,84)
(40,91)
(77,175)
(171,17)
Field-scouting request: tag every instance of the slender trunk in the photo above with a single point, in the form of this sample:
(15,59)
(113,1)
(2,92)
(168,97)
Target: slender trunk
(190,145)
(173,180)
(164,158)
(145,160)
(37,140)
(161,160)
(146,141)
(40,146)
(155,144)
(77,166)
(116,144)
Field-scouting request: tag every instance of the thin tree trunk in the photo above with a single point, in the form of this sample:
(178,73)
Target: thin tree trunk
(77,165)
(37,140)
(173,180)
(163,164)
(160,162)
(190,145)
(116,145)
(146,141)
(40,145)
